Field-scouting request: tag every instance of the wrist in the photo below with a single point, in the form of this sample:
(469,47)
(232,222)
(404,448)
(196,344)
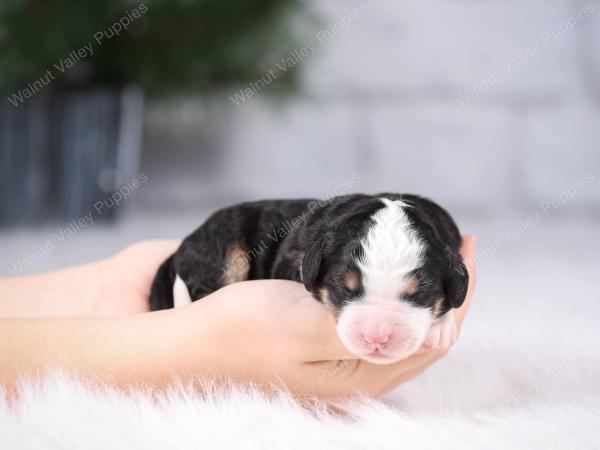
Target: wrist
(214,338)
(63,293)
(180,344)
(158,347)
(121,351)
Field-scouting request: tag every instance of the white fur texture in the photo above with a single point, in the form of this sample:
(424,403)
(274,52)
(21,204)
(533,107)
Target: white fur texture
(391,251)
(62,413)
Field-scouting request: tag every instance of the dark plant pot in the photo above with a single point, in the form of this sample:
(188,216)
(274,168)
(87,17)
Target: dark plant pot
(64,151)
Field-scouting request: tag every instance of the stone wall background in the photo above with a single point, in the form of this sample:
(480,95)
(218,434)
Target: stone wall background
(491,107)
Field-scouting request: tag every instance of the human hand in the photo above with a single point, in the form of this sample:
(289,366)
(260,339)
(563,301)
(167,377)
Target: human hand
(125,279)
(262,332)
(115,286)
(273,330)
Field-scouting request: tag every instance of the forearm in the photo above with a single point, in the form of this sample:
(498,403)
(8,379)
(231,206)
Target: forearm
(66,293)
(148,348)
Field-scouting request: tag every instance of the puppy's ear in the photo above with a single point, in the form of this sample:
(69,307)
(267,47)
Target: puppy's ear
(311,262)
(457,281)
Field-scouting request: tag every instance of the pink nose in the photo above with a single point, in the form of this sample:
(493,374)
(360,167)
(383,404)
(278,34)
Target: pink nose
(377,339)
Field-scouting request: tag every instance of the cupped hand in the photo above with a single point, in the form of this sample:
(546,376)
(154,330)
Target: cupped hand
(274,331)
(264,332)
(116,286)
(124,280)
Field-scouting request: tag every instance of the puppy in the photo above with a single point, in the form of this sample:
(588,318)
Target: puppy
(387,266)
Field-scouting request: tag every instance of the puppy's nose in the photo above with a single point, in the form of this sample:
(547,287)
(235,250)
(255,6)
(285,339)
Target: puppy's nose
(377,339)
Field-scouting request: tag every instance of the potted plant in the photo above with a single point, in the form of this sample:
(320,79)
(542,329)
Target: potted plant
(74,75)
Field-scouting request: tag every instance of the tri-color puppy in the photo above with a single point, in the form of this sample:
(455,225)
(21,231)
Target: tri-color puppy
(386,265)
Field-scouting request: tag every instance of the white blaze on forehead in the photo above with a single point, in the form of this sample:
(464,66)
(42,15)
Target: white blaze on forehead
(391,250)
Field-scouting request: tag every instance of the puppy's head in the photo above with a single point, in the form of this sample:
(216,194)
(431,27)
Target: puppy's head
(386,276)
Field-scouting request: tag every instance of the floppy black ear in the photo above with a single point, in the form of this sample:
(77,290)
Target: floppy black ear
(310,265)
(457,281)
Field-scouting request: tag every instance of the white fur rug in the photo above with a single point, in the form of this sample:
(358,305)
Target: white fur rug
(63,414)
(495,395)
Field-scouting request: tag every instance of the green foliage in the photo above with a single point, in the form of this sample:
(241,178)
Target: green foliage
(173,45)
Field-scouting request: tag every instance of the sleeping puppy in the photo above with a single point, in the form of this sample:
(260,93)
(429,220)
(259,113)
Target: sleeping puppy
(387,266)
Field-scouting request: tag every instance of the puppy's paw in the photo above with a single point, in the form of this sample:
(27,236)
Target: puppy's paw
(443,333)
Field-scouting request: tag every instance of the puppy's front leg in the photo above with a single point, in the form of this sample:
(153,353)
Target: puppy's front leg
(443,332)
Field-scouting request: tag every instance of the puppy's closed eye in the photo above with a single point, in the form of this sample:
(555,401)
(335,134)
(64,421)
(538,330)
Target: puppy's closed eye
(411,285)
(352,281)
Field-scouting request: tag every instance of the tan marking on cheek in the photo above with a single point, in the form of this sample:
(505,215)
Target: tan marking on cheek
(411,285)
(326,299)
(237,265)
(438,306)
(352,281)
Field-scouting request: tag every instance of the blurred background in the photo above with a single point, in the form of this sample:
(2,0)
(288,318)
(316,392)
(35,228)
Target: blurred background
(123,121)
(129,120)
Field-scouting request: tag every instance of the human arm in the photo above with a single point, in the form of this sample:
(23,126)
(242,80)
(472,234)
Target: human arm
(267,331)
(115,286)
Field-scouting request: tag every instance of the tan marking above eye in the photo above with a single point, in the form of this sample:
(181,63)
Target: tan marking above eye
(411,285)
(352,281)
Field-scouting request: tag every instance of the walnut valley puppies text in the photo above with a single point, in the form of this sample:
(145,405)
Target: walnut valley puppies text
(73,227)
(277,68)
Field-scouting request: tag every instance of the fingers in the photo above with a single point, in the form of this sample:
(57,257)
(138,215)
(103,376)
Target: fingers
(377,379)
(413,371)
(283,309)
(158,249)
(143,258)
(318,323)
(467,251)
(444,337)
(333,349)
(326,344)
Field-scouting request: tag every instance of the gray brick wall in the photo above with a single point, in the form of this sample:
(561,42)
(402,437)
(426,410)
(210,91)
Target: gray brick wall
(487,106)
(443,48)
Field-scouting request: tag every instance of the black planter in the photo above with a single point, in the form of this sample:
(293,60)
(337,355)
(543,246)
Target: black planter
(61,152)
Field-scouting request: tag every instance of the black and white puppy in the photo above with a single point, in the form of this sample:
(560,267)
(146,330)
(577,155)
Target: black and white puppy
(386,265)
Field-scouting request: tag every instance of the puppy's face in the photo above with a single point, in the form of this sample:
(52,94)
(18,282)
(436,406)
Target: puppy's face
(386,282)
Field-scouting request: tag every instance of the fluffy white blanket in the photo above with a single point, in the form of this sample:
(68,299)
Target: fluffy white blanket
(64,414)
(468,401)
